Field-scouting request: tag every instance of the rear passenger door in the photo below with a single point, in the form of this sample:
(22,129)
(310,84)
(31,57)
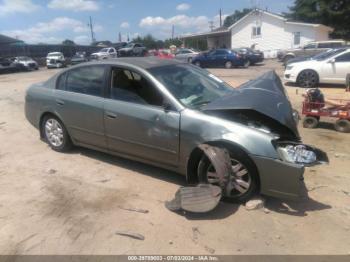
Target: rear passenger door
(79,103)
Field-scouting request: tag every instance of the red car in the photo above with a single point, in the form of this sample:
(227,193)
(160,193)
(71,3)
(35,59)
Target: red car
(161,53)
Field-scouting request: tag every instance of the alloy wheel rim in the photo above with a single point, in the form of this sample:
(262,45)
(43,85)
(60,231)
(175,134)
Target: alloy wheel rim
(238,184)
(54,132)
(308,79)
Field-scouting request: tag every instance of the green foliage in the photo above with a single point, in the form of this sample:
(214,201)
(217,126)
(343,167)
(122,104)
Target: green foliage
(333,13)
(152,43)
(68,42)
(237,15)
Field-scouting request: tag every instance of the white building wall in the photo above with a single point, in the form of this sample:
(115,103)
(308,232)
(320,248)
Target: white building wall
(275,34)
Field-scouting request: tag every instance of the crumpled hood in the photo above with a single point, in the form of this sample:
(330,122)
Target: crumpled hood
(265,95)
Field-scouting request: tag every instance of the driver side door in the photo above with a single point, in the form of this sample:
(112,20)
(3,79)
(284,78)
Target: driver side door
(136,122)
(335,70)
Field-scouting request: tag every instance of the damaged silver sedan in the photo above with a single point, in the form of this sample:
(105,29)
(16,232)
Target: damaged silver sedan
(179,117)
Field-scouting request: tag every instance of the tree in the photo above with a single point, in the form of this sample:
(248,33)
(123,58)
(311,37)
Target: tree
(68,42)
(237,15)
(333,13)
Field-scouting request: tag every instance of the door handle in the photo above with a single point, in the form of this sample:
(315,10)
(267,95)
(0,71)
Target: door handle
(59,102)
(111,115)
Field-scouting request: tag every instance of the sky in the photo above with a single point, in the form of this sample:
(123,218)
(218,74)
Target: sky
(52,21)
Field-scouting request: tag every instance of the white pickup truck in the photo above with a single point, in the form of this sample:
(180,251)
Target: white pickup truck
(105,53)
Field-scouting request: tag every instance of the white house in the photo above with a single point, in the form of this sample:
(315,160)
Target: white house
(269,32)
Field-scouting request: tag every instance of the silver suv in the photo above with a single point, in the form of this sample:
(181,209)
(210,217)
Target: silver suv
(310,49)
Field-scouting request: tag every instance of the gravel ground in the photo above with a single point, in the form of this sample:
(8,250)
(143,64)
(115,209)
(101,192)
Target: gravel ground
(52,203)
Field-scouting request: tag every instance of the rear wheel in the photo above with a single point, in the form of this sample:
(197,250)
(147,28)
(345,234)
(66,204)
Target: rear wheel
(228,64)
(246,64)
(55,134)
(241,187)
(310,122)
(342,125)
(308,78)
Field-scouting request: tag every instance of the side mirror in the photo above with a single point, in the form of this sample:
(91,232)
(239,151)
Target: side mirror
(167,106)
(332,61)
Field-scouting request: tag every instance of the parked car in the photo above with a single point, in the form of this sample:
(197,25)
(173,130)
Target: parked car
(132,49)
(186,54)
(79,57)
(253,56)
(311,49)
(55,60)
(25,63)
(331,69)
(120,45)
(164,112)
(104,53)
(220,58)
(322,55)
(8,66)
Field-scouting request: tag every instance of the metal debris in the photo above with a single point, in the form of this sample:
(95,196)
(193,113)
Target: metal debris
(130,234)
(199,199)
(51,171)
(220,159)
(209,249)
(257,203)
(139,210)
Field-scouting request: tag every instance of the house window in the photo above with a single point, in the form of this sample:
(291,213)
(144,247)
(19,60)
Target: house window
(256,31)
(297,38)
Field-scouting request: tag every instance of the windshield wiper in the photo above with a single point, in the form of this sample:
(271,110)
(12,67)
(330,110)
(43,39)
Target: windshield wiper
(201,103)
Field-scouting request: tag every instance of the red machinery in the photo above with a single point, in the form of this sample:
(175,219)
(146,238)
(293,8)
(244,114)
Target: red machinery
(316,106)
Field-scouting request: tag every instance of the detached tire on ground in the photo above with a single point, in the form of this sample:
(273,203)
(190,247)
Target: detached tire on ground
(342,125)
(55,134)
(310,122)
(245,183)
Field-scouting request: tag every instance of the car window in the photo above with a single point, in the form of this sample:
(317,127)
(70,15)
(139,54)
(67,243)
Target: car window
(343,58)
(310,46)
(110,51)
(61,82)
(129,86)
(221,52)
(86,80)
(137,45)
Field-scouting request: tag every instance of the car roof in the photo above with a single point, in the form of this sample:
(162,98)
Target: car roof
(142,62)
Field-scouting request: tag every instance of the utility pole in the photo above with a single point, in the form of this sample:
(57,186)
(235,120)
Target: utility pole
(220,18)
(93,40)
(172,31)
(120,37)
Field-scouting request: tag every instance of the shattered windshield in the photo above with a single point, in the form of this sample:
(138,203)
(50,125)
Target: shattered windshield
(193,87)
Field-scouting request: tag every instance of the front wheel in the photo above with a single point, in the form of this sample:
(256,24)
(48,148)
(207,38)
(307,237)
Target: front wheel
(56,134)
(246,64)
(308,78)
(240,187)
(310,122)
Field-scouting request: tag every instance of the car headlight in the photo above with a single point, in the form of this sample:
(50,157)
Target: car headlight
(298,154)
(289,67)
